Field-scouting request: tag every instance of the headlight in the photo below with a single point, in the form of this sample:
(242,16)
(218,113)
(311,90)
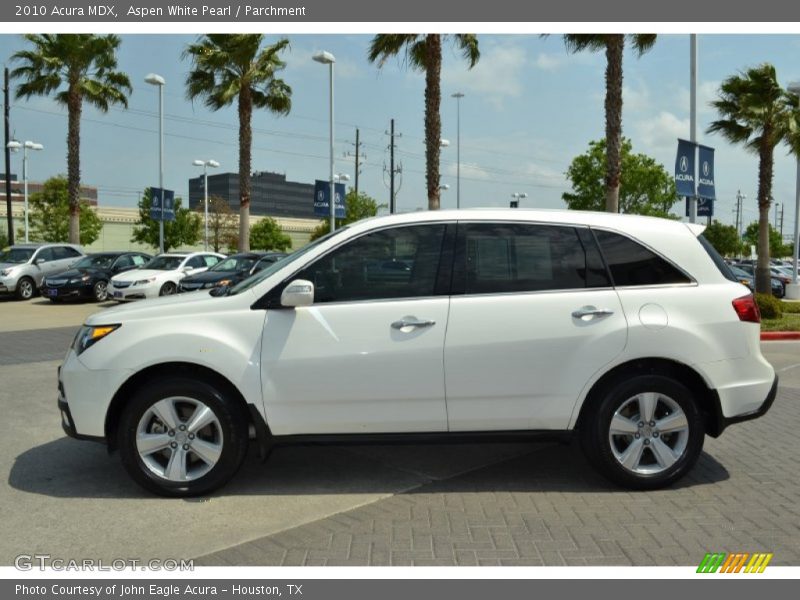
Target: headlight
(144,281)
(83,279)
(89,335)
(6,272)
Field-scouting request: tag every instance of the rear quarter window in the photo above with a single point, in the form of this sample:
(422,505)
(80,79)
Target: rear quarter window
(717,259)
(632,264)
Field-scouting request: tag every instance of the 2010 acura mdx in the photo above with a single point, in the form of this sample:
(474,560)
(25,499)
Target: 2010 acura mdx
(628,332)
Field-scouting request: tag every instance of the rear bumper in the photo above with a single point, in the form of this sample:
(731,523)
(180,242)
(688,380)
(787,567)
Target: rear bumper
(719,422)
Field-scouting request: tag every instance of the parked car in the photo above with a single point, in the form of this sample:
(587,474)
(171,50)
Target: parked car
(161,276)
(627,332)
(229,271)
(89,277)
(777,285)
(24,266)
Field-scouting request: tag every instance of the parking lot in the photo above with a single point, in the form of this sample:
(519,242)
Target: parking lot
(529,504)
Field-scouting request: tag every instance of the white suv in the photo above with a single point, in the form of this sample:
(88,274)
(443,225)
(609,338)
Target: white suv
(627,332)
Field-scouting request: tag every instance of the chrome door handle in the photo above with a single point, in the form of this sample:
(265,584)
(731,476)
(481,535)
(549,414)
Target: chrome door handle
(411,322)
(591,311)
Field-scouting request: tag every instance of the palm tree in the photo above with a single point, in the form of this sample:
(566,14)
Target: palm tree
(424,53)
(229,67)
(77,67)
(613,45)
(758,113)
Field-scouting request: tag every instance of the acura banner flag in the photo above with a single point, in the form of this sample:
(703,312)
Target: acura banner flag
(684,169)
(705,174)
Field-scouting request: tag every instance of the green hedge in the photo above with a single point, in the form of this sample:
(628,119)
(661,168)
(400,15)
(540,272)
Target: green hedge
(770,306)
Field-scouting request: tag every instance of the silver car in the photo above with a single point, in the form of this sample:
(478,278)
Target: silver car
(23,266)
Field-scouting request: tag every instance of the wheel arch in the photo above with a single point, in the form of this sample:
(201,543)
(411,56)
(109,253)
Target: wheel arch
(123,394)
(708,399)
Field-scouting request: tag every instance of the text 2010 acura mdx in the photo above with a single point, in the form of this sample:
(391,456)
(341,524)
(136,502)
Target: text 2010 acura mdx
(626,331)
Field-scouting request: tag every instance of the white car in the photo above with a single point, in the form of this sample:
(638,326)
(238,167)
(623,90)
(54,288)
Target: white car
(628,332)
(160,277)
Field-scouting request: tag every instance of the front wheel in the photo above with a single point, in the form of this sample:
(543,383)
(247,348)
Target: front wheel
(25,289)
(645,432)
(100,291)
(168,289)
(182,437)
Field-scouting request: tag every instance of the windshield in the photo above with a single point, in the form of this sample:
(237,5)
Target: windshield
(265,273)
(95,261)
(165,263)
(234,263)
(17,255)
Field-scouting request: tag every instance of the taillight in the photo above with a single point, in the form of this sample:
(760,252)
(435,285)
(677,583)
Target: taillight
(747,309)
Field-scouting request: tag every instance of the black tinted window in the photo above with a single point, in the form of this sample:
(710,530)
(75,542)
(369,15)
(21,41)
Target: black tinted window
(514,257)
(631,263)
(394,263)
(718,260)
(126,260)
(196,262)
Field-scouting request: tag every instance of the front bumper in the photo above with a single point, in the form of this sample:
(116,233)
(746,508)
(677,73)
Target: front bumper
(67,291)
(84,397)
(131,293)
(67,422)
(8,285)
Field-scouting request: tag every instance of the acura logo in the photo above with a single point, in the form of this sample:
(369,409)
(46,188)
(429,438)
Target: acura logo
(705,168)
(684,164)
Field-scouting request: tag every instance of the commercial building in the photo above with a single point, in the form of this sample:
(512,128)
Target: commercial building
(270,194)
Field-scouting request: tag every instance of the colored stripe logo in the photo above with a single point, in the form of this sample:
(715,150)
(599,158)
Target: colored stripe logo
(736,562)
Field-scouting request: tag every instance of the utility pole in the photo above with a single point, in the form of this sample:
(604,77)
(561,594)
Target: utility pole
(7,113)
(777,204)
(781,220)
(391,169)
(398,170)
(358,157)
(739,220)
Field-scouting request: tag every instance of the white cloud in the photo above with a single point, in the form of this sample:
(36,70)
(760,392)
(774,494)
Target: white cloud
(554,61)
(661,132)
(636,97)
(300,58)
(497,76)
(706,92)
(468,170)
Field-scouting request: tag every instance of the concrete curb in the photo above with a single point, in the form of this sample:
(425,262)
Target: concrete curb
(771,336)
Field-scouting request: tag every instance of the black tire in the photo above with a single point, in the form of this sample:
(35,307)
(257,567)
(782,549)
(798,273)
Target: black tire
(596,438)
(100,290)
(168,289)
(26,289)
(230,429)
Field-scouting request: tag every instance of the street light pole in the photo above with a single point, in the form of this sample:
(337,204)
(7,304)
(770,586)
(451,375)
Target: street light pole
(458,96)
(326,58)
(158,80)
(693,113)
(793,289)
(15,146)
(205,164)
(517,196)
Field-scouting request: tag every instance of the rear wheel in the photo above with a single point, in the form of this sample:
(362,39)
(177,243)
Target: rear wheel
(645,432)
(182,437)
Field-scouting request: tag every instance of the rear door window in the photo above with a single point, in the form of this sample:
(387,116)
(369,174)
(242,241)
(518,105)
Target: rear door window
(519,257)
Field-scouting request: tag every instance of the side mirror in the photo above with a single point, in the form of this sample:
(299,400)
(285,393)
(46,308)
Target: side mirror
(39,261)
(299,292)
(187,269)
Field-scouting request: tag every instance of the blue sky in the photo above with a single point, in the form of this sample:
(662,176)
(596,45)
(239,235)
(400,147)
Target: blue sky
(529,109)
